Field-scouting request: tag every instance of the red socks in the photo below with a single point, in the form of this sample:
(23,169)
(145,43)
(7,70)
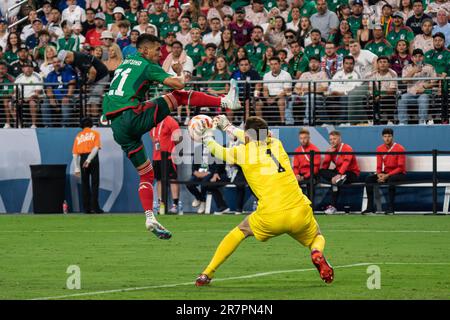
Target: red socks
(193,98)
(146,187)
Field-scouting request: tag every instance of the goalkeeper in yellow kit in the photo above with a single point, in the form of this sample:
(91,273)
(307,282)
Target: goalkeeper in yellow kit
(282,207)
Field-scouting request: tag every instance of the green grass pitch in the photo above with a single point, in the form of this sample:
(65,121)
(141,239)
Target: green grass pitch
(115,252)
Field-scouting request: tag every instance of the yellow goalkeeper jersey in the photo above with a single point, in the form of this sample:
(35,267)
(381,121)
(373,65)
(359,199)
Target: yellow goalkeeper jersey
(267,169)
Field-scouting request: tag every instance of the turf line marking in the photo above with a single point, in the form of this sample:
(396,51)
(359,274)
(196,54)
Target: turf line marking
(255,275)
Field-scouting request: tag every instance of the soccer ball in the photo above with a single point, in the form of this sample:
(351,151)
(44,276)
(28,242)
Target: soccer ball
(196,124)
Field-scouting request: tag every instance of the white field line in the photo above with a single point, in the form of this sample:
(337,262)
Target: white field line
(219,230)
(250,276)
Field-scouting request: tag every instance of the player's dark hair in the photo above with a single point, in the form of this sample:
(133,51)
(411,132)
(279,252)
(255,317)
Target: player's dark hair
(86,123)
(243,59)
(211,45)
(258,27)
(146,38)
(349,58)
(383,58)
(178,42)
(387,131)
(335,133)
(275,58)
(256,128)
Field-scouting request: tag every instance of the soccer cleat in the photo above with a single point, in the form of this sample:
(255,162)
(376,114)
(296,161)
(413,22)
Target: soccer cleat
(368,212)
(201,208)
(174,209)
(155,227)
(231,99)
(330,210)
(202,280)
(389,212)
(222,211)
(196,203)
(325,269)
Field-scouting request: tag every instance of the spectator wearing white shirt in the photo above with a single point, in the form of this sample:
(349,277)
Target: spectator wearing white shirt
(28,29)
(184,35)
(31,93)
(219,10)
(256,13)
(143,22)
(215,35)
(296,18)
(365,64)
(276,93)
(3,33)
(73,13)
(339,90)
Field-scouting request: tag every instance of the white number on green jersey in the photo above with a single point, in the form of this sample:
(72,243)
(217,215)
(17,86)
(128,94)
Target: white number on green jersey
(123,74)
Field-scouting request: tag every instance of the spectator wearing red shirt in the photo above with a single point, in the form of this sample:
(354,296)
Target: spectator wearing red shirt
(93,36)
(346,171)
(302,162)
(241,28)
(390,168)
(164,137)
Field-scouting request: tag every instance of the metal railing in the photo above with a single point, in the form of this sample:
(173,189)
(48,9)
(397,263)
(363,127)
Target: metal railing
(366,105)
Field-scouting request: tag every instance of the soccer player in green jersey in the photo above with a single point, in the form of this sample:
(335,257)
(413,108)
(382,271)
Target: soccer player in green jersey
(131,116)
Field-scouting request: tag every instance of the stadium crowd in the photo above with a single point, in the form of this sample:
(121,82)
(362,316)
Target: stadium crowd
(280,40)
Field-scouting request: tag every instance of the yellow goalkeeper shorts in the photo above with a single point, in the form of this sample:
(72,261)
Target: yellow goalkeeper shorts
(299,223)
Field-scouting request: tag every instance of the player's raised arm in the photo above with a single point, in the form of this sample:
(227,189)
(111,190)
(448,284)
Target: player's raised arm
(221,122)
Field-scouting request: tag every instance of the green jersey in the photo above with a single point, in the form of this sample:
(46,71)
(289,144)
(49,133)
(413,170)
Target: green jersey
(158,19)
(269,4)
(131,81)
(132,17)
(315,50)
(66,44)
(382,48)
(298,63)
(219,77)
(255,53)
(355,24)
(205,69)
(196,52)
(344,52)
(440,60)
(109,19)
(6,87)
(404,33)
(307,10)
(333,4)
(168,27)
(10,56)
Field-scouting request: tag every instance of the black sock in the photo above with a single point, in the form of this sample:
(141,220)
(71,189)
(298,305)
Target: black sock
(175,202)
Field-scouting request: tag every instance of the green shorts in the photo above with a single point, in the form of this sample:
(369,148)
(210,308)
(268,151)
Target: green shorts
(129,126)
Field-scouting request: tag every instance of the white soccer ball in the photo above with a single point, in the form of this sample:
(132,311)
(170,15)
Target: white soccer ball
(196,126)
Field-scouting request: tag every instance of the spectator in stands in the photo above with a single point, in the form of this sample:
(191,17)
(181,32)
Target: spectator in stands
(171,25)
(143,22)
(283,54)
(165,136)
(204,171)
(27,30)
(3,34)
(47,66)
(331,62)
(240,53)
(299,62)
(390,169)
(344,50)
(215,35)
(203,25)
(418,92)
(73,13)
(379,45)
(339,91)
(283,6)
(6,93)
(355,20)
(206,68)
(274,34)
(386,18)
(131,48)
(219,10)
(248,91)
(399,30)
(406,8)
(256,12)
(241,28)
(256,47)
(107,41)
(336,38)
(67,42)
(178,61)
(415,21)
(60,89)
(228,47)
(109,12)
(118,16)
(443,25)
(195,49)
(85,152)
(158,16)
(184,35)
(221,73)
(30,95)
(290,36)
(93,73)
(324,20)
(123,39)
(115,59)
(365,34)
(97,52)
(424,40)
(76,34)
(302,162)
(46,12)
(317,47)
(304,33)
(96,5)
(276,93)
(264,65)
(401,57)
(433,8)
(38,53)
(16,68)
(54,25)
(90,21)
(439,56)
(166,48)
(294,24)
(33,39)
(312,95)
(384,91)
(346,170)
(307,8)
(93,36)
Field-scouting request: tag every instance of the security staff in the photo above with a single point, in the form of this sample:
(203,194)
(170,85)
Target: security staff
(85,151)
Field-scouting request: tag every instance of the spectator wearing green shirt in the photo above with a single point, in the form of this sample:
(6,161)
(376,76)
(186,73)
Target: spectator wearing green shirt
(206,68)
(240,54)
(334,4)
(227,46)
(195,49)
(132,13)
(337,37)
(158,17)
(66,42)
(282,54)
(355,20)
(399,31)
(299,62)
(344,50)
(379,45)
(256,47)
(439,56)
(6,92)
(307,8)
(263,66)
(109,15)
(221,73)
(13,43)
(316,48)
(171,25)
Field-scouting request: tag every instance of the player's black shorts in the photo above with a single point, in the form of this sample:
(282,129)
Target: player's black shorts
(171,169)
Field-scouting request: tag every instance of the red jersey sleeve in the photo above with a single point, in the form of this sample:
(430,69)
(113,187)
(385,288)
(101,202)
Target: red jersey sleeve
(296,164)
(401,161)
(317,159)
(346,159)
